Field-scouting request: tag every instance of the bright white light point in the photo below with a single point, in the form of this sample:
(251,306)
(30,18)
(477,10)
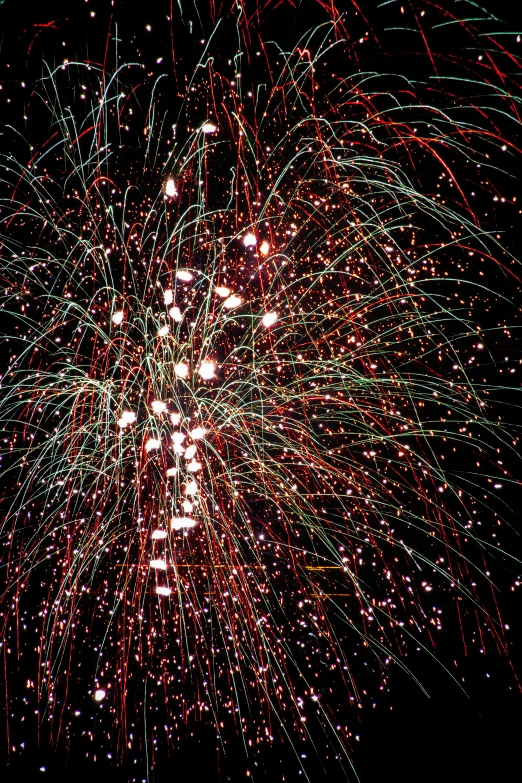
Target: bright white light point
(249,240)
(198,433)
(170,188)
(152,443)
(158,534)
(194,467)
(158,564)
(232,301)
(222,291)
(181,370)
(158,406)
(172,472)
(163,590)
(163,331)
(127,417)
(177,439)
(117,318)
(178,523)
(187,506)
(99,695)
(207,370)
(264,248)
(191,488)
(184,274)
(175,418)
(190,452)
(168,296)
(269,319)
(209,127)
(175,313)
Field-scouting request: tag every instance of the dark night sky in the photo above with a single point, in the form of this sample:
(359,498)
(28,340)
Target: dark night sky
(452,735)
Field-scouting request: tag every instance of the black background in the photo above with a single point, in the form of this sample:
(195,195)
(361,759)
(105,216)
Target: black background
(451,734)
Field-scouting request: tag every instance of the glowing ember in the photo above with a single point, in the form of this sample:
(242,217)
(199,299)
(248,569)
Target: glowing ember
(127,417)
(232,301)
(207,370)
(249,240)
(269,319)
(160,564)
(170,188)
(181,370)
(178,523)
(190,452)
(152,444)
(185,275)
(157,535)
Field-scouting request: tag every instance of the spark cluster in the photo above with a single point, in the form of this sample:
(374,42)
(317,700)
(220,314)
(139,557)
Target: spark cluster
(249,421)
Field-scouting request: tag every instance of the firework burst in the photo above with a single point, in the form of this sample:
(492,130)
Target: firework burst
(244,391)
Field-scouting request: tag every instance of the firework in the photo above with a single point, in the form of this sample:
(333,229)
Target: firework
(244,391)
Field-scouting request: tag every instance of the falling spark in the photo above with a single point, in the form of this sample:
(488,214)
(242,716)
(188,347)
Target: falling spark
(191,488)
(181,370)
(207,370)
(152,444)
(170,188)
(269,319)
(158,535)
(127,417)
(175,314)
(178,523)
(232,301)
(160,564)
(249,240)
(190,452)
(185,275)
